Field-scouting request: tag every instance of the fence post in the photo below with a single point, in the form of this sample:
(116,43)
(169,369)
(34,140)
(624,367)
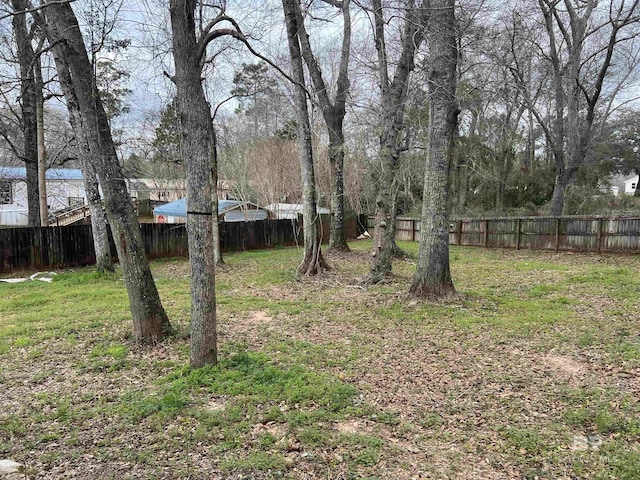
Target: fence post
(557,234)
(459,232)
(518,226)
(600,234)
(413,229)
(486,233)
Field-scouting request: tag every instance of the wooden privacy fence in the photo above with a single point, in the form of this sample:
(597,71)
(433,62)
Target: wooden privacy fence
(568,233)
(54,247)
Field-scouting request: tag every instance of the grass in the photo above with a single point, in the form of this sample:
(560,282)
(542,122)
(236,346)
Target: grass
(322,379)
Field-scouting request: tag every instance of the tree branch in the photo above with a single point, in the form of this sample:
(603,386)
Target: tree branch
(35,9)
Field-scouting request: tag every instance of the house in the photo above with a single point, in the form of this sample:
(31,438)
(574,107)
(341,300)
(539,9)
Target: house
(228,211)
(631,184)
(169,190)
(291,211)
(65,188)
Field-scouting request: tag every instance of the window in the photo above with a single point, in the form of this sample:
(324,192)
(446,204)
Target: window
(633,185)
(6,193)
(76,201)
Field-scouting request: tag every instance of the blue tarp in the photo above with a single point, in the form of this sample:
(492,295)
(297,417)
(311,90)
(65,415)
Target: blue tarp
(179,208)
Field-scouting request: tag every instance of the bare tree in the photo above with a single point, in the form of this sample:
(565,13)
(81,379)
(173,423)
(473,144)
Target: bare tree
(273,166)
(28,101)
(196,129)
(433,276)
(313,262)
(333,112)
(394,96)
(149,318)
(589,63)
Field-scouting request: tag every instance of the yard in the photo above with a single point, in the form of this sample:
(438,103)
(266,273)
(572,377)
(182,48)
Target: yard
(533,373)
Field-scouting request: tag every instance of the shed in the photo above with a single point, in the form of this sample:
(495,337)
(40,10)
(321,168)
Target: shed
(228,211)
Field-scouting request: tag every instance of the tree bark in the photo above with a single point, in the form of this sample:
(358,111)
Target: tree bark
(394,96)
(313,262)
(333,113)
(104,261)
(433,276)
(150,321)
(26,59)
(42,152)
(337,237)
(569,26)
(217,249)
(198,147)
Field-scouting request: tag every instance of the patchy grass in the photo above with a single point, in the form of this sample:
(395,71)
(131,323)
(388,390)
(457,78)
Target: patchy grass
(321,378)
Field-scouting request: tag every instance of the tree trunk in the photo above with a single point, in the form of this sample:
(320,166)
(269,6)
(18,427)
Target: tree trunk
(337,238)
(333,114)
(104,261)
(26,59)
(313,262)
(149,318)
(42,152)
(196,128)
(557,199)
(499,206)
(394,96)
(433,276)
(217,251)
(385,219)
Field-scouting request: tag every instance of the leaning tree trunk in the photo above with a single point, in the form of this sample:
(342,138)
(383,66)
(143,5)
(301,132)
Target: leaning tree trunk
(149,318)
(196,128)
(104,261)
(26,59)
(313,261)
(433,277)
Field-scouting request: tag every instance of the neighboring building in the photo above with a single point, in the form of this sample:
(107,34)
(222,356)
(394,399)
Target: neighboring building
(631,184)
(228,211)
(169,190)
(65,188)
(291,211)
(614,185)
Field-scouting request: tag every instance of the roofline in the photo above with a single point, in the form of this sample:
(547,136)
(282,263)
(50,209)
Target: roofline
(242,204)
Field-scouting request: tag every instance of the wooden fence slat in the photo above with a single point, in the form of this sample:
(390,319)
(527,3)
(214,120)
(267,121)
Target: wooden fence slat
(485,241)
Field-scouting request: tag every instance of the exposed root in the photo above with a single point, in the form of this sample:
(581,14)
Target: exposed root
(313,265)
(439,292)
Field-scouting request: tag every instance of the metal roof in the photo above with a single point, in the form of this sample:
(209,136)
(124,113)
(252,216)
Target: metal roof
(20,173)
(294,208)
(179,207)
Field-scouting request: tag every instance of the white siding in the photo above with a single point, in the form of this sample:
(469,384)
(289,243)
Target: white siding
(631,184)
(14,217)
